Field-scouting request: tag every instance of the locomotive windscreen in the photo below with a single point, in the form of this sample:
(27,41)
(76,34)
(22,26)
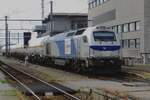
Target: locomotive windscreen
(104,36)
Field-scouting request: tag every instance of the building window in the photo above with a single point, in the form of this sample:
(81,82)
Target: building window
(132,43)
(137,25)
(124,43)
(128,45)
(132,26)
(95,3)
(119,28)
(125,27)
(137,43)
(128,27)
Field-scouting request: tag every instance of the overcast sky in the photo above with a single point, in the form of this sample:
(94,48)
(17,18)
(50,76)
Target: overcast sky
(32,9)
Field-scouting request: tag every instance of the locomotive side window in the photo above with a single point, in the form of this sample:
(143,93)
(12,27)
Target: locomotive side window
(79,32)
(70,34)
(104,36)
(85,40)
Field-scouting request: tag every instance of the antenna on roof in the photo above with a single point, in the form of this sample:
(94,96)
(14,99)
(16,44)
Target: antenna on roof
(42,7)
(51,17)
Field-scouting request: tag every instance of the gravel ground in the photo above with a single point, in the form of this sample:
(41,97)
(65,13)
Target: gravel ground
(143,71)
(138,67)
(7,92)
(138,89)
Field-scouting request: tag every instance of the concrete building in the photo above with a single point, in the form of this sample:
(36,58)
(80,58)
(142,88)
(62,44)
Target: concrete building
(66,21)
(131,20)
(40,29)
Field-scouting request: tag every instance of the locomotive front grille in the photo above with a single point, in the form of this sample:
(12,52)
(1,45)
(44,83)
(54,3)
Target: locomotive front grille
(102,62)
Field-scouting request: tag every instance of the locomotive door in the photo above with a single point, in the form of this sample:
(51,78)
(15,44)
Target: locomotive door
(78,47)
(48,49)
(84,47)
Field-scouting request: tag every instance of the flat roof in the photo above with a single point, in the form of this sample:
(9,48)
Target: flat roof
(66,15)
(70,14)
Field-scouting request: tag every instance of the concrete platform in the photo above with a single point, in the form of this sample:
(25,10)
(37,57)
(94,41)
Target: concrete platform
(145,68)
(142,70)
(7,92)
(138,90)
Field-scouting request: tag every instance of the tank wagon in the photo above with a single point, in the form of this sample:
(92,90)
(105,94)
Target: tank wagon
(92,49)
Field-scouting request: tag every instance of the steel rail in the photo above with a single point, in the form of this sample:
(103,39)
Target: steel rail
(25,86)
(62,91)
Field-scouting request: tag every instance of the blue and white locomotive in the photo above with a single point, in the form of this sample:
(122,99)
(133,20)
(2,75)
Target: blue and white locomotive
(93,49)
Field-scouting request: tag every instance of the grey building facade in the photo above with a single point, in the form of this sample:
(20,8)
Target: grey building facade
(131,20)
(65,22)
(40,29)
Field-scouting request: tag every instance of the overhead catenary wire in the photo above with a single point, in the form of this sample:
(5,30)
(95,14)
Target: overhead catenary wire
(22,19)
(20,29)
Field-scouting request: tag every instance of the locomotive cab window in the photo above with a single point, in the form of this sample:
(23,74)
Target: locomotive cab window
(80,32)
(70,34)
(104,36)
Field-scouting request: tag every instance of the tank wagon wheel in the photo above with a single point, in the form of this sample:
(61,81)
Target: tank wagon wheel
(74,65)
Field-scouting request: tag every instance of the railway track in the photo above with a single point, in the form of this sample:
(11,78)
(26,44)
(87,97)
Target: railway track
(36,87)
(125,78)
(122,77)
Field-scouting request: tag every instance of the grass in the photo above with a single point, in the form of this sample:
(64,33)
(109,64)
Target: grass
(7,80)
(4,81)
(9,92)
(14,93)
(146,75)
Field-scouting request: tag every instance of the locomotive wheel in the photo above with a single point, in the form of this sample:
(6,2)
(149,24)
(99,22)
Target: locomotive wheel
(81,67)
